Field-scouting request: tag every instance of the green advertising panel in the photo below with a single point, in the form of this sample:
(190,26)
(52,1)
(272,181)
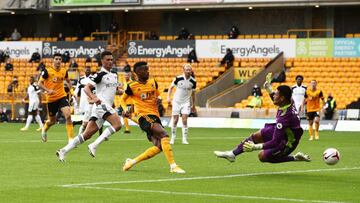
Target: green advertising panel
(317,47)
(56,3)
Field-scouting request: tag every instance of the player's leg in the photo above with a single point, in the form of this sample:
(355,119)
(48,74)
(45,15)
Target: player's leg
(115,125)
(175,119)
(280,156)
(38,120)
(91,129)
(29,117)
(230,155)
(147,154)
(311,122)
(127,126)
(317,124)
(159,132)
(51,121)
(69,126)
(185,111)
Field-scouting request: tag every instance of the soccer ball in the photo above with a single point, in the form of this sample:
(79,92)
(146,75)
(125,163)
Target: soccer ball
(331,156)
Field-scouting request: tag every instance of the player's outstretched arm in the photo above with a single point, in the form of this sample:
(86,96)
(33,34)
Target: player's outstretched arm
(267,84)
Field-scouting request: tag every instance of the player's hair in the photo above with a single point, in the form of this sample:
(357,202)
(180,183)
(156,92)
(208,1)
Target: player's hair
(105,53)
(285,91)
(57,54)
(138,65)
(313,80)
(186,65)
(127,69)
(299,76)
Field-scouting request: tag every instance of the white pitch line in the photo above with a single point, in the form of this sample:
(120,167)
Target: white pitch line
(122,140)
(210,195)
(210,177)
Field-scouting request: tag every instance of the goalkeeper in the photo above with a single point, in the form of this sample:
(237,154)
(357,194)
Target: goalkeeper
(276,140)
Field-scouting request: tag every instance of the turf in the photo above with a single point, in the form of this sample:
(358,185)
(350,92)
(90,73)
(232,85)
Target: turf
(30,171)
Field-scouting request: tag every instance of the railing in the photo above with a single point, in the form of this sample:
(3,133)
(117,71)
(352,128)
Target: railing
(311,31)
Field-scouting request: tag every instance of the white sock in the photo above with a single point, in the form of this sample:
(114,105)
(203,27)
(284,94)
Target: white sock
(81,129)
(184,133)
(106,134)
(173,165)
(173,133)
(28,121)
(38,120)
(73,143)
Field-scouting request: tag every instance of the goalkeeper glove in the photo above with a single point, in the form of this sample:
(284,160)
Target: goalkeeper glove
(249,146)
(267,84)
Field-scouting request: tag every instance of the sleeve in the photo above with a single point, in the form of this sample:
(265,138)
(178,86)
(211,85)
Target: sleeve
(156,84)
(321,95)
(175,82)
(193,81)
(37,89)
(96,78)
(44,75)
(128,90)
(278,137)
(66,74)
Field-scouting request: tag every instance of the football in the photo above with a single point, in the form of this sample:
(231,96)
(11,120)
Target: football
(331,156)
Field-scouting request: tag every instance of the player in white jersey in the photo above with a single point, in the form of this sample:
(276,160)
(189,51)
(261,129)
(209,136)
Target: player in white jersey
(33,94)
(298,94)
(84,106)
(106,84)
(181,104)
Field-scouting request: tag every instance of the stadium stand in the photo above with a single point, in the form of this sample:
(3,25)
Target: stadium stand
(339,76)
(254,36)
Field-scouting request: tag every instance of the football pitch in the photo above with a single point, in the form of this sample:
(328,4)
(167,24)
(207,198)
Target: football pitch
(31,172)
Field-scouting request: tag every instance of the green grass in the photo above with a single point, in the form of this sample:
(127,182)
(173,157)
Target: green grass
(30,171)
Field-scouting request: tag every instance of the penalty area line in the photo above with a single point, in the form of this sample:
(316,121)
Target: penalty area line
(211,177)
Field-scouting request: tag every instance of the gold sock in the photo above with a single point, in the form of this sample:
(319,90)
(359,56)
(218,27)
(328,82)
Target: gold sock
(165,145)
(70,130)
(317,130)
(151,152)
(126,122)
(311,130)
(46,126)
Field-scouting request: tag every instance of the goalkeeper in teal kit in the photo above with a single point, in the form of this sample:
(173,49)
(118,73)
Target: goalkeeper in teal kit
(276,140)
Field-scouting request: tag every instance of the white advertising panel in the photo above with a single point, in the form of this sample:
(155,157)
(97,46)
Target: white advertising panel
(267,48)
(344,125)
(20,49)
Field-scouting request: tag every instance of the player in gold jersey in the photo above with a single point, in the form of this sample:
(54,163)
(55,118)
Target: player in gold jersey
(129,104)
(144,93)
(52,81)
(312,100)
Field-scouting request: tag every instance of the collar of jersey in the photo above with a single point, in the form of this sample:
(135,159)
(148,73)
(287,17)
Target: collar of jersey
(284,108)
(104,69)
(185,77)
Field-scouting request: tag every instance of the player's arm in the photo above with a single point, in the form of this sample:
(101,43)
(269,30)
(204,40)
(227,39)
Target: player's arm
(68,83)
(44,76)
(128,93)
(276,140)
(267,85)
(172,85)
(25,98)
(92,97)
(193,97)
(321,95)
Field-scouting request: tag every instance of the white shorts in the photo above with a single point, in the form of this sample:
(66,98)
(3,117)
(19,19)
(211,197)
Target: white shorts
(87,113)
(183,108)
(33,106)
(98,112)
